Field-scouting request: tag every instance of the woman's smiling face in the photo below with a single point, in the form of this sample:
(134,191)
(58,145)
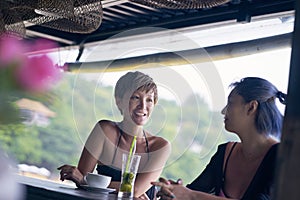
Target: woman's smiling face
(139,107)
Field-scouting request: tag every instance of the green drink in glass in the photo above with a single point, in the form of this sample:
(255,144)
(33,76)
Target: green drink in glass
(130,166)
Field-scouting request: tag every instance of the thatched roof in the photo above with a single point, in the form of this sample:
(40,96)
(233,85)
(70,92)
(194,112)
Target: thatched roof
(35,106)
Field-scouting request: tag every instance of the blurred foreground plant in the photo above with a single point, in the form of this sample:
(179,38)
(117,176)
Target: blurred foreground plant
(22,75)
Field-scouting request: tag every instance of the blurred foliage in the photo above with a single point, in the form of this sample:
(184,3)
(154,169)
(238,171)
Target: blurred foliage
(192,128)
(22,75)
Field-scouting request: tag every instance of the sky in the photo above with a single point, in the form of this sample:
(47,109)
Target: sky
(211,85)
(273,66)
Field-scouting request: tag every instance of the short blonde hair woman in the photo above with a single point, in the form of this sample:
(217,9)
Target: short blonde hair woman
(135,96)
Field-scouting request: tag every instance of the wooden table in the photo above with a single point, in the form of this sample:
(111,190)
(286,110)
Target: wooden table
(37,189)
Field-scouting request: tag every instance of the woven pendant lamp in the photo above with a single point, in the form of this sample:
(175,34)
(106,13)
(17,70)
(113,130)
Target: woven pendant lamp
(181,4)
(10,21)
(75,16)
(55,8)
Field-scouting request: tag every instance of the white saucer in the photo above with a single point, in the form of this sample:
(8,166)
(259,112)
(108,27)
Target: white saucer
(96,189)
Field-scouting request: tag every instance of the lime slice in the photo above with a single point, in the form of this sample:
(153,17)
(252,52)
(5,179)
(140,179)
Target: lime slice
(125,187)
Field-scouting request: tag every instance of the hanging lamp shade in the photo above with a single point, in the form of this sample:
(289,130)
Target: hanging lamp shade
(55,8)
(75,16)
(10,20)
(181,4)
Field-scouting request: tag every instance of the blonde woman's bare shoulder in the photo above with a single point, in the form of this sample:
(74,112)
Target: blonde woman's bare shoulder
(104,123)
(108,127)
(157,143)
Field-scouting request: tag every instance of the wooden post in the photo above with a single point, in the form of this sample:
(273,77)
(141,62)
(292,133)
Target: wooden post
(288,163)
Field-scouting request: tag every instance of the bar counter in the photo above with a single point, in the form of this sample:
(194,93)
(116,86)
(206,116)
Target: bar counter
(37,189)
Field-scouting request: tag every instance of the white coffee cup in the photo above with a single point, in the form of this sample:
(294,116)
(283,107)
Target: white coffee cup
(97,180)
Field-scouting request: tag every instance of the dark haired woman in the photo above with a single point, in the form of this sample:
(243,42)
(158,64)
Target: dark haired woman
(240,170)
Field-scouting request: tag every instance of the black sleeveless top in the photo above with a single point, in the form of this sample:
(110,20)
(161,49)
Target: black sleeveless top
(225,168)
(211,180)
(116,173)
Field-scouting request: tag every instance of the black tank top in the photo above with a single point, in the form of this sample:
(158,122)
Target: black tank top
(115,173)
(225,168)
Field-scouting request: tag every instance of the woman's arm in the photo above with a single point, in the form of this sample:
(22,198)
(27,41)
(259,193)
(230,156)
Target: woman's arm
(180,192)
(151,171)
(210,179)
(143,182)
(92,150)
(207,182)
(88,159)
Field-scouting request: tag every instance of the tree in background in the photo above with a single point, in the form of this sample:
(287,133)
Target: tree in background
(79,105)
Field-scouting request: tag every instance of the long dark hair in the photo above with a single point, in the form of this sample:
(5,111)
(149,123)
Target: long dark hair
(268,118)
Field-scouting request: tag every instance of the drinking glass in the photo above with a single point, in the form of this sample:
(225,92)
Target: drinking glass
(130,166)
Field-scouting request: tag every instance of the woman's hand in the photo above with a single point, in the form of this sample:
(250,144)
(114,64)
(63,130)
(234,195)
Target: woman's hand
(69,172)
(171,189)
(165,190)
(179,181)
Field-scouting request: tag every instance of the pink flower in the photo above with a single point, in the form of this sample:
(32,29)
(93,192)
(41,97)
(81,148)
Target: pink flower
(37,74)
(41,44)
(11,51)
